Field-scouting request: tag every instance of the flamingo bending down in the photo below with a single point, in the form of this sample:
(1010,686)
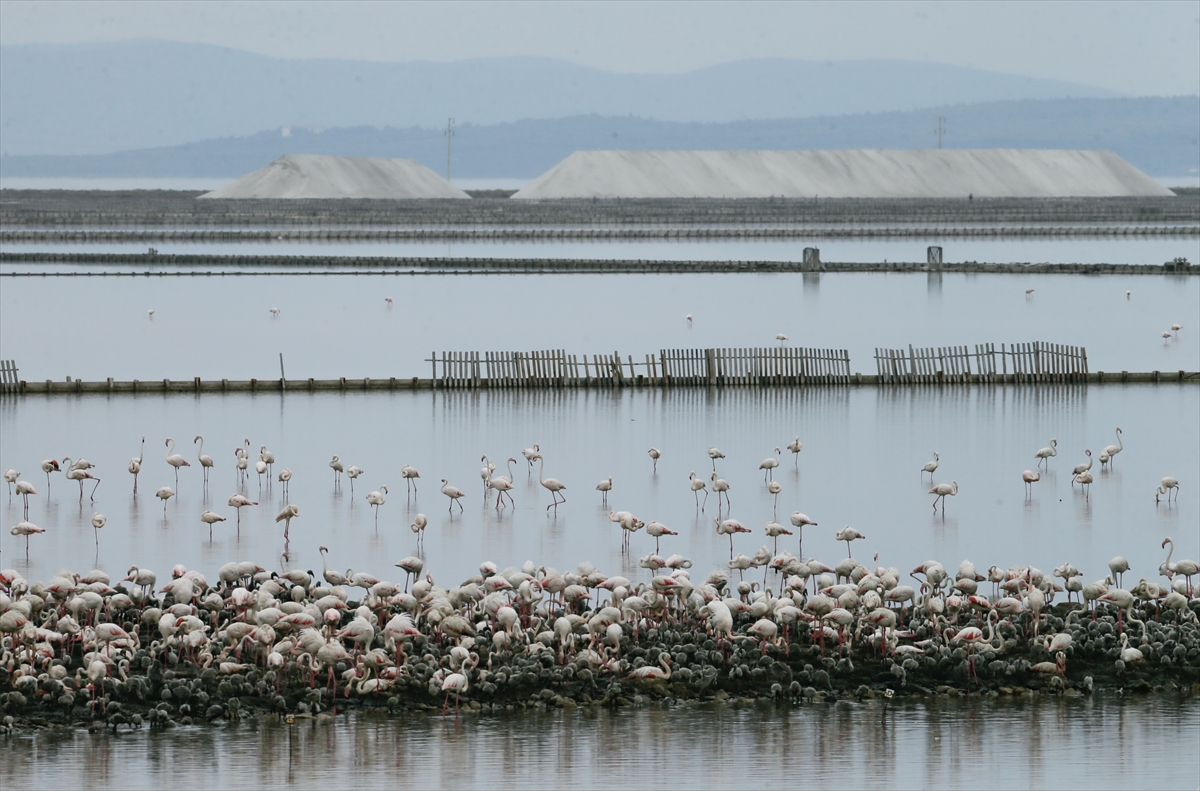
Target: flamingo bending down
(1045,454)
(1113,450)
(1118,566)
(1168,484)
(554,485)
(655,453)
(98,521)
(210,518)
(931,467)
(135,465)
(942,490)
(289,512)
(485,472)
(1030,478)
(206,462)
(410,474)
(769,465)
(604,487)
(174,459)
(377,499)
(418,526)
(81,476)
(1084,479)
(697,485)
(502,485)
(454,493)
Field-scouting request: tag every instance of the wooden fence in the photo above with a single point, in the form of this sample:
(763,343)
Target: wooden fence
(1019,362)
(786,365)
(9,383)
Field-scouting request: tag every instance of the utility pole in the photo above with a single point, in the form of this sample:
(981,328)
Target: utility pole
(450,136)
(941,130)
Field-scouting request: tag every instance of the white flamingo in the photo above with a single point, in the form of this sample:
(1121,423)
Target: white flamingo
(1113,450)
(81,476)
(657,530)
(795,446)
(24,489)
(715,454)
(1167,485)
(728,528)
(338,468)
(1081,468)
(1084,479)
(943,490)
(135,465)
(848,534)
(769,465)
(721,487)
(604,487)
(503,485)
(240,501)
(418,526)
(285,475)
(931,467)
(655,454)
(289,512)
(174,459)
(11,476)
(697,485)
(98,521)
(206,462)
(554,485)
(774,487)
(353,472)
(210,518)
(774,531)
(27,529)
(1045,454)
(799,520)
(531,455)
(164,494)
(1030,478)
(377,499)
(454,493)
(49,466)
(410,475)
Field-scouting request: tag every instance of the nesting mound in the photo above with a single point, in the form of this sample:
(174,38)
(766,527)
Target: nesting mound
(984,173)
(316,176)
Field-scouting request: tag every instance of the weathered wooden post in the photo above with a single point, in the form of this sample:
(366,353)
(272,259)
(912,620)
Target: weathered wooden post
(933,257)
(812,260)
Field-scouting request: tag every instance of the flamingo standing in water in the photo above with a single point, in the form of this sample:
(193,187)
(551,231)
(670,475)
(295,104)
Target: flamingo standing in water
(799,520)
(655,454)
(454,493)
(531,455)
(377,499)
(1167,485)
(98,521)
(1030,478)
(267,457)
(135,465)
(604,487)
(285,475)
(728,528)
(336,465)
(49,466)
(81,476)
(848,534)
(418,526)
(715,454)
(697,485)
(210,518)
(931,467)
(721,487)
(1113,450)
(240,501)
(769,464)
(503,485)
(165,493)
(410,475)
(554,485)
(1045,454)
(24,489)
(353,472)
(943,490)
(174,459)
(775,530)
(289,512)
(27,529)
(774,487)
(1082,468)
(795,446)
(206,462)
(1084,479)
(11,476)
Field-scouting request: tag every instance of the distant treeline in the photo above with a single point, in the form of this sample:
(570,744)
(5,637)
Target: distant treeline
(1160,136)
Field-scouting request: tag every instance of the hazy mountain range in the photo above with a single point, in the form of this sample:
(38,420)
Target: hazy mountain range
(1157,135)
(99,98)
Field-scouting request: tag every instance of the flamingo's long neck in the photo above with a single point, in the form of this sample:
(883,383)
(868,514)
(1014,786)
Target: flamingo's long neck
(1170,552)
(170,447)
(201,453)
(510,472)
(1120,444)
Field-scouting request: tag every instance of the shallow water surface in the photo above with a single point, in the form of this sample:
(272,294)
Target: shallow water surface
(1101,742)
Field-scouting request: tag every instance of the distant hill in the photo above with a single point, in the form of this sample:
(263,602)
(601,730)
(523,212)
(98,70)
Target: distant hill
(98,98)
(1157,135)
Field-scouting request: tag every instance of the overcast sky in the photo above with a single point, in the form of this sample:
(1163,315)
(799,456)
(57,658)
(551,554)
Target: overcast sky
(1141,48)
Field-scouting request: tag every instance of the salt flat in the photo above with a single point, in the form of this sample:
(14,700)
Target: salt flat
(314,176)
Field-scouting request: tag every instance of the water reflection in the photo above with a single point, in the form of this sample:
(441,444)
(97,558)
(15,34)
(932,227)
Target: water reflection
(1025,743)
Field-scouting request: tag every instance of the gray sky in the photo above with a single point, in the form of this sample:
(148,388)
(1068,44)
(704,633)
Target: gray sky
(1142,48)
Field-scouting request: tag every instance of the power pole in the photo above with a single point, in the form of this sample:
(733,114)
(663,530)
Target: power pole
(450,136)
(941,130)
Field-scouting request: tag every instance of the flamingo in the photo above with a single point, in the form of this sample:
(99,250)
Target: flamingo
(657,530)
(689,319)
(410,474)
(1084,479)
(503,485)
(454,493)
(604,487)
(267,457)
(553,484)
(164,494)
(24,489)
(27,529)
(769,465)
(135,465)
(333,577)
(795,446)
(774,487)
(289,512)
(1113,450)
(1045,454)
(49,466)
(210,518)
(715,454)
(652,673)
(654,454)
(942,490)
(1030,478)
(1082,468)
(336,465)
(239,502)
(782,339)
(206,462)
(377,499)
(353,472)
(1104,459)
(174,459)
(931,467)
(848,534)
(485,472)
(531,455)
(721,487)
(11,476)
(1168,484)
(697,485)
(97,521)
(242,463)
(775,530)
(418,526)
(260,467)
(81,476)
(456,683)
(1187,568)
(1118,566)
(728,528)
(285,475)
(799,520)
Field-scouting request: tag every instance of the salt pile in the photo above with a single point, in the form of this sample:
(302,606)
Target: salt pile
(316,176)
(984,173)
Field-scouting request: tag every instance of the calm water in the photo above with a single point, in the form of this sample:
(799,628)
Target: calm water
(1146,250)
(339,325)
(863,450)
(1102,742)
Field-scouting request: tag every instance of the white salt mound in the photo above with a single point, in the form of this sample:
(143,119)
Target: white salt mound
(984,173)
(316,176)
